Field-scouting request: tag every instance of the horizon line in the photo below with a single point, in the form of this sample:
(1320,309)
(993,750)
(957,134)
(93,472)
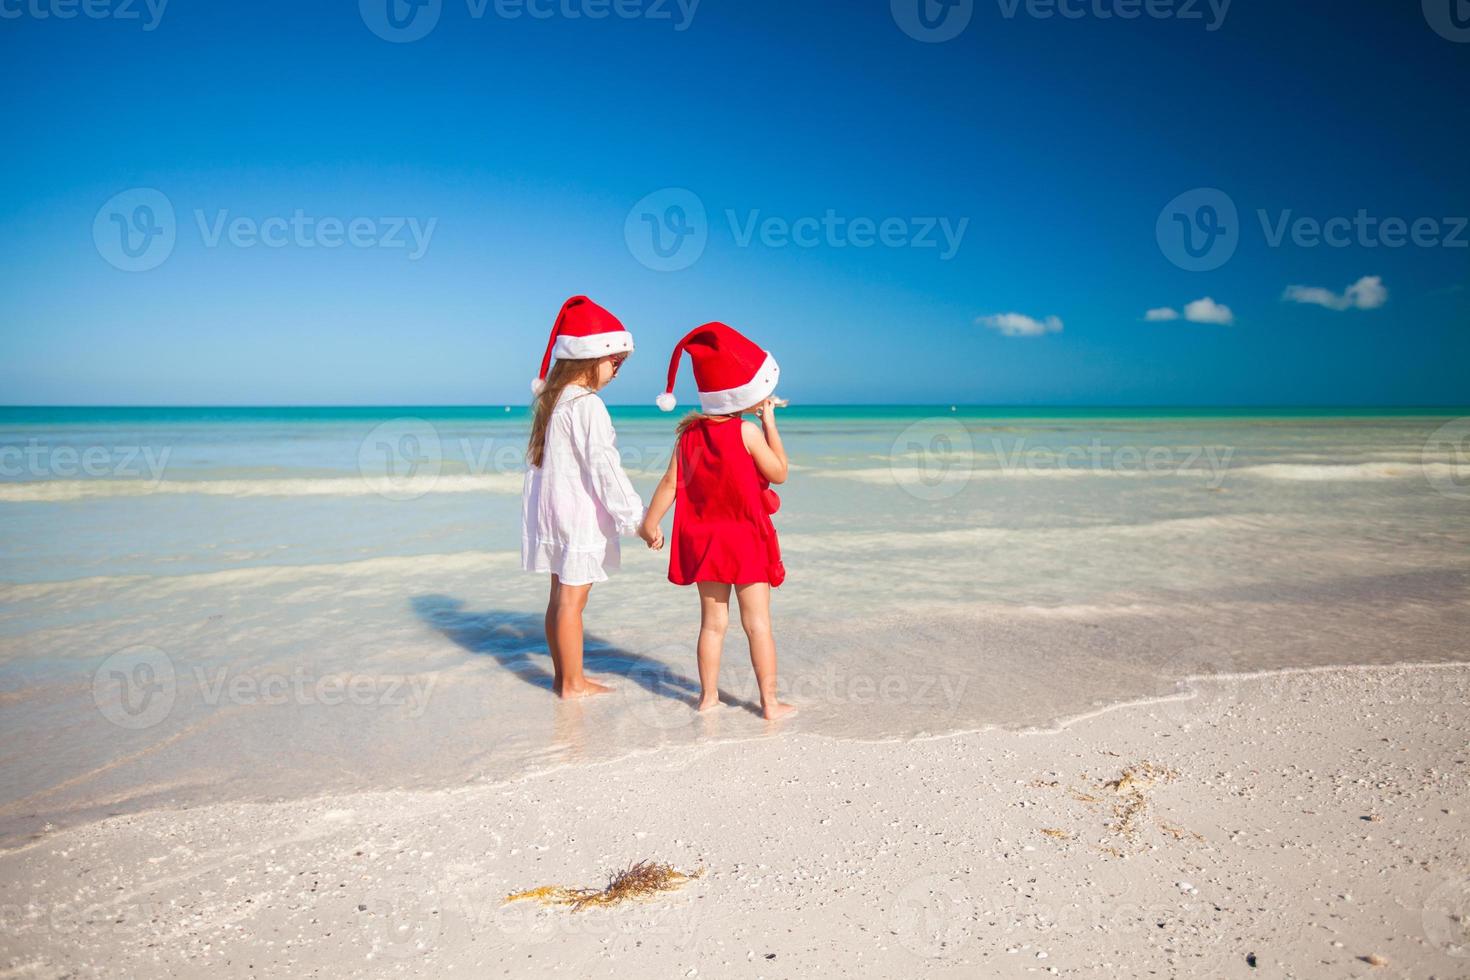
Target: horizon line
(874,404)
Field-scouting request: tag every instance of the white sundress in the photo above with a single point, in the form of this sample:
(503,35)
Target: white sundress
(578,502)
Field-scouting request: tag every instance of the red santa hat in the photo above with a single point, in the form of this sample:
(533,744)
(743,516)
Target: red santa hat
(582,330)
(733,374)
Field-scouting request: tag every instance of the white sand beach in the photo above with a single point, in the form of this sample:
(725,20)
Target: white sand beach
(1313,824)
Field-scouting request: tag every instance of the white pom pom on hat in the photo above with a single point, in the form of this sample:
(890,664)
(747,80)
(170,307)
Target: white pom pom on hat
(666,401)
(538,385)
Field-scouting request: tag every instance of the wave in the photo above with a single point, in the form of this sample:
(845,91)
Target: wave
(390,567)
(969,537)
(910,476)
(940,476)
(1358,471)
(55,491)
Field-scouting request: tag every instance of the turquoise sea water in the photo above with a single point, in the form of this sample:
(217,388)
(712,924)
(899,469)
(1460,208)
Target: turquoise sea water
(245,603)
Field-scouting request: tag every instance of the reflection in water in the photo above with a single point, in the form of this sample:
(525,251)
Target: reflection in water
(569,730)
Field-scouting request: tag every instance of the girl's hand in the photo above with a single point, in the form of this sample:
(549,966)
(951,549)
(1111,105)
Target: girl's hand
(766,410)
(652,536)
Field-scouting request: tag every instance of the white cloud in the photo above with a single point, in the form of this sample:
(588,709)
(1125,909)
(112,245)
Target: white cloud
(1208,311)
(1020,325)
(1368,293)
(1161,314)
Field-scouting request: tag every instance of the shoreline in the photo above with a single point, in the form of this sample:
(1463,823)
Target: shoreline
(894,858)
(1192,688)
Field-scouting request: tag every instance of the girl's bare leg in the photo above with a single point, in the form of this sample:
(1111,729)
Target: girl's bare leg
(714,619)
(755,616)
(551,645)
(564,618)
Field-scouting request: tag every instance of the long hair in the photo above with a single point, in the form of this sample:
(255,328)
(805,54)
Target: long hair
(694,418)
(563,373)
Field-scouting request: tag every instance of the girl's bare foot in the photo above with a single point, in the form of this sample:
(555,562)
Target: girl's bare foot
(583,690)
(778,710)
(706,704)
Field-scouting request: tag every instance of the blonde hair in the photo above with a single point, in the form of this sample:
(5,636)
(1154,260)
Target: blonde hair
(562,374)
(694,418)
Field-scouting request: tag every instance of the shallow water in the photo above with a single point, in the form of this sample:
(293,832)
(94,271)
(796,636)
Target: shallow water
(206,604)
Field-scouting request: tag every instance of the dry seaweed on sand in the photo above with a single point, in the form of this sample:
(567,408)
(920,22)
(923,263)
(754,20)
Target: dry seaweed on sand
(636,881)
(1132,786)
(1179,833)
(1056,834)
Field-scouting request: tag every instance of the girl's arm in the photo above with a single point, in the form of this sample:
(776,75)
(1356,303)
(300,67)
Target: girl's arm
(764,443)
(597,446)
(658,506)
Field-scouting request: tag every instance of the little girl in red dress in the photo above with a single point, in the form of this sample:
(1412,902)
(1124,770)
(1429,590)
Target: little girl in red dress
(719,483)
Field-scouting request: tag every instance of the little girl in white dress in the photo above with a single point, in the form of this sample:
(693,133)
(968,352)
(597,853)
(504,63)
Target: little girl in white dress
(576,500)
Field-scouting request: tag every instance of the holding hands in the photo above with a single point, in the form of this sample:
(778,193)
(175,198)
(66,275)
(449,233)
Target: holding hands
(652,535)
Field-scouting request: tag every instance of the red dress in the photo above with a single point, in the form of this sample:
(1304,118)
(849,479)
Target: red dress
(722,511)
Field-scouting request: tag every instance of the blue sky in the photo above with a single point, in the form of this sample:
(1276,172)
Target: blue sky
(496,165)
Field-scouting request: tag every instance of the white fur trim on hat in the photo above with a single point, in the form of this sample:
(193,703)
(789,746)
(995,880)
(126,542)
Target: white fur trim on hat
(537,386)
(666,401)
(597,345)
(752,393)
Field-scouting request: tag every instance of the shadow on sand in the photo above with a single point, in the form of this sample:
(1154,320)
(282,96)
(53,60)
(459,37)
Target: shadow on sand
(517,641)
